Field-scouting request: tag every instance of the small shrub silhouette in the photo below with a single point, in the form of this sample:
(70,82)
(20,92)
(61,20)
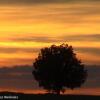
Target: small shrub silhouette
(57,67)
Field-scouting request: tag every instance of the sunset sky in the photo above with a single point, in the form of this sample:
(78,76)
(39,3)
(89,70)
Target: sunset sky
(26,26)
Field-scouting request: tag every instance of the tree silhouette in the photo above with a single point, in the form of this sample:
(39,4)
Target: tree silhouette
(57,67)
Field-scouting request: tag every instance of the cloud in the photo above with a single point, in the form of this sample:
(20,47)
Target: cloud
(64,38)
(44,39)
(90,50)
(16,50)
(16,72)
(93,80)
(20,77)
(42,1)
(32,1)
(48,39)
(87,37)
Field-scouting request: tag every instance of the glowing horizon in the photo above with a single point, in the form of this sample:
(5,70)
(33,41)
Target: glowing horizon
(83,91)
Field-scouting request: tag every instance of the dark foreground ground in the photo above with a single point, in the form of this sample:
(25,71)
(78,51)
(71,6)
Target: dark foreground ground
(21,96)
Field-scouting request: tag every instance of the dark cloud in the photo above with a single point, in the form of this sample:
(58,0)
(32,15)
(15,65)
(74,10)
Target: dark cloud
(35,39)
(90,50)
(87,37)
(22,72)
(41,1)
(31,1)
(16,50)
(90,37)
(20,77)
(46,39)
(93,79)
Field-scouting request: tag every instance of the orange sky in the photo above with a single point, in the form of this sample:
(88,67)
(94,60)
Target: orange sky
(27,28)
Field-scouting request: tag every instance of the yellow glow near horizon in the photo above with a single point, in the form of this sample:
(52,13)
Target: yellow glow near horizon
(42,44)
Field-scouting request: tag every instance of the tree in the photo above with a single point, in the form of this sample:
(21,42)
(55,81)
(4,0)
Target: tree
(57,67)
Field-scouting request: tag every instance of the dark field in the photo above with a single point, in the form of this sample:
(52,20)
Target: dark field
(21,96)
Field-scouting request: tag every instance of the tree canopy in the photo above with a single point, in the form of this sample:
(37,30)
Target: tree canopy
(57,67)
